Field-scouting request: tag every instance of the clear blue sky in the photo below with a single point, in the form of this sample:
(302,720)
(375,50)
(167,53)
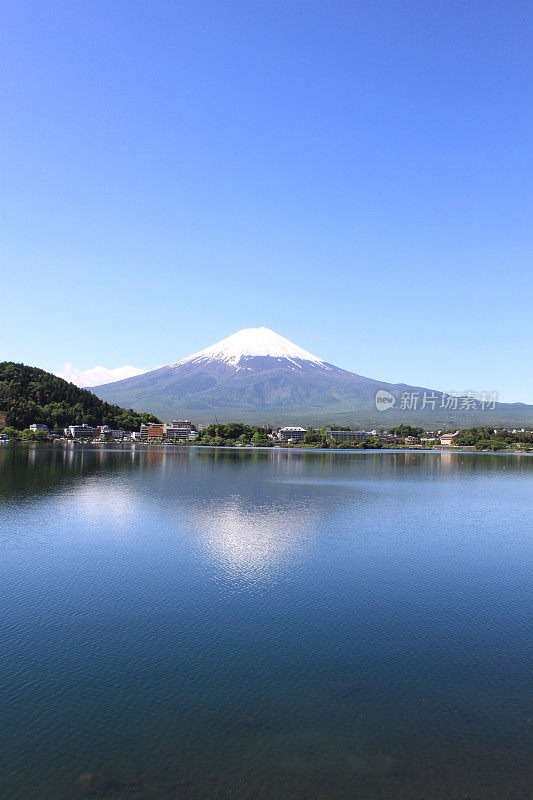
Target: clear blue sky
(355,175)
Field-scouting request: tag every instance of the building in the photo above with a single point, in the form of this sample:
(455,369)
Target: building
(153,431)
(182,423)
(411,440)
(291,434)
(447,438)
(80,431)
(104,431)
(37,426)
(179,430)
(118,436)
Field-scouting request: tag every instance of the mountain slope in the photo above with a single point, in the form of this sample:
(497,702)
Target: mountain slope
(29,394)
(256,375)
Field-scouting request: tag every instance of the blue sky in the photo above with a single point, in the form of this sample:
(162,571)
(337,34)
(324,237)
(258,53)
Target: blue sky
(354,175)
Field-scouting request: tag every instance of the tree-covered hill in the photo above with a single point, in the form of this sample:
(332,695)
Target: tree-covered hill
(29,394)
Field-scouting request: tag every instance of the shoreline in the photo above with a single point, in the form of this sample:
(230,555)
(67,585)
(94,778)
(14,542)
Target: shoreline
(165,447)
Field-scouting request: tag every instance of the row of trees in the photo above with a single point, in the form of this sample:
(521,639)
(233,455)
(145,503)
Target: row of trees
(26,434)
(232,434)
(28,395)
(485,438)
(320,438)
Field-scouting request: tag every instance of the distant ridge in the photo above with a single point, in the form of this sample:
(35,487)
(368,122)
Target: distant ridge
(256,375)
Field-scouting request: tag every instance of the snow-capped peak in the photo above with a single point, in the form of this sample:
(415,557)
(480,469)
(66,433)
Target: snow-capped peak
(250,343)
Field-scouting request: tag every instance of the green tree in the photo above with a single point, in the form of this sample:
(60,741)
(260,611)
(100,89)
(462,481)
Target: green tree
(233,430)
(312,437)
(34,436)
(406,430)
(12,432)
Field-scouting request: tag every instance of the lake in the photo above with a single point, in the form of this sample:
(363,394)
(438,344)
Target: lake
(264,624)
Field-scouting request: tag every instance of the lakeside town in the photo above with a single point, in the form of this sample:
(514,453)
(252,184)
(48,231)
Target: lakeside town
(235,434)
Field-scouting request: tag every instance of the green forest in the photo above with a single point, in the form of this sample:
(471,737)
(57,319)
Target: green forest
(234,433)
(29,394)
(488,439)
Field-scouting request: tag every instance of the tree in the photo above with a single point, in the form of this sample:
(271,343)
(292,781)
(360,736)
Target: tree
(10,431)
(312,437)
(260,439)
(372,443)
(490,444)
(406,430)
(233,430)
(34,436)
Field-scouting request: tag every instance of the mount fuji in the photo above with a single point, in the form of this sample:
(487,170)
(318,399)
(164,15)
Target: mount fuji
(256,375)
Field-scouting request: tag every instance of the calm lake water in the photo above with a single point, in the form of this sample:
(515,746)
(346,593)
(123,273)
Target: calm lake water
(196,623)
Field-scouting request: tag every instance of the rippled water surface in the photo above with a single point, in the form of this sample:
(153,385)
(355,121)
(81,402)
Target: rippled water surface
(194,623)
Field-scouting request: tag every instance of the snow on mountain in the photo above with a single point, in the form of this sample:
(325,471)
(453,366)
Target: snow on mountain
(95,376)
(252,343)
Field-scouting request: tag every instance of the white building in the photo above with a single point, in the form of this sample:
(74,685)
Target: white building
(104,430)
(291,434)
(448,438)
(37,426)
(179,430)
(80,431)
(346,436)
